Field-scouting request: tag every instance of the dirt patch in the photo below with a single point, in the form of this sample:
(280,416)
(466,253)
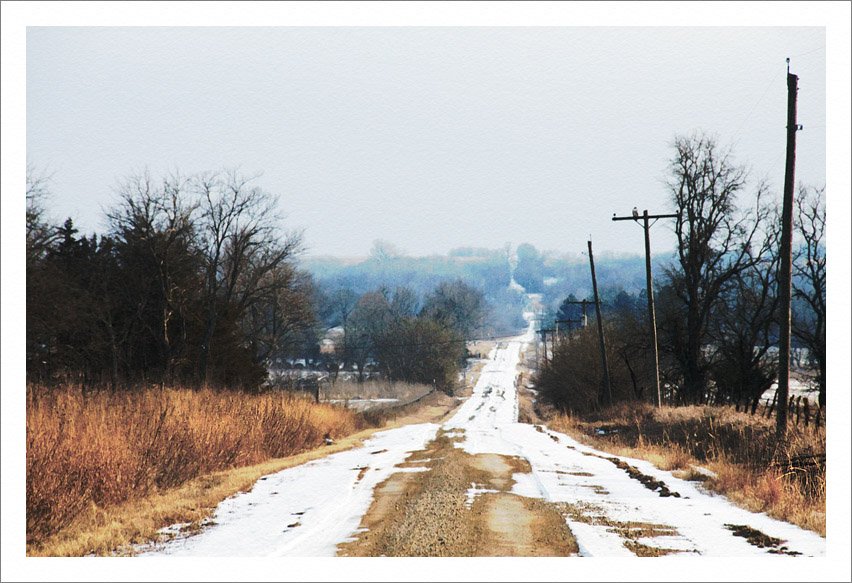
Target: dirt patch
(630,531)
(459,507)
(641,550)
(515,526)
(760,539)
(651,483)
(526,407)
(499,469)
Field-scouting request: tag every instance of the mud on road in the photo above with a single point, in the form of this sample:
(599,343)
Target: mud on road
(447,503)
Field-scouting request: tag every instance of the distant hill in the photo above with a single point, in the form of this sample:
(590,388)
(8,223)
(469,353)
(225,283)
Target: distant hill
(553,275)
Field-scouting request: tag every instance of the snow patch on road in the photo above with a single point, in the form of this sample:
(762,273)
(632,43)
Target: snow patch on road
(475,491)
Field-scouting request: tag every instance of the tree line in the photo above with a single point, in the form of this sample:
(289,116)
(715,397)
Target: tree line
(194,283)
(486,270)
(716,302)
(407,338)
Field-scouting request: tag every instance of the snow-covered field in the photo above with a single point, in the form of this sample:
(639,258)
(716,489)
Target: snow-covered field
(308,510)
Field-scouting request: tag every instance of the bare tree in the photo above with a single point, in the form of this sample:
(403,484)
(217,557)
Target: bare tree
(744,326)
(154,223)
(40,233)
(274,322)
(714,240)
(365,328)
(457,305)
(384,251)
(41,292)
(241,245)
(809,280)
(342,303)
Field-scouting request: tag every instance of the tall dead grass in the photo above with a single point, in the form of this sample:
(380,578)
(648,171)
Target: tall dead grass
(373,389)
(103,449)
(786,480)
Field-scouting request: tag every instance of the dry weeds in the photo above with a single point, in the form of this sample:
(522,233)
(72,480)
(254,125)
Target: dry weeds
(86,453)
(372,389)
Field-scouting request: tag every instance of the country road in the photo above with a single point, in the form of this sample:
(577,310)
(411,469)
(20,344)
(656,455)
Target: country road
(482,484)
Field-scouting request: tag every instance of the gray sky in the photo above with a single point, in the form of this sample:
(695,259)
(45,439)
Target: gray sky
(428,137)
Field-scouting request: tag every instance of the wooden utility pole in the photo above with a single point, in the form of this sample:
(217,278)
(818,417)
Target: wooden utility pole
(569,322)
(652,318)
(537,362)
(584,303)
(544,340)
(607,387)
(786,267)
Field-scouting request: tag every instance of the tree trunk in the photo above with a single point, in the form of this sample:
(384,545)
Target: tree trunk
(205,350)
(693,376)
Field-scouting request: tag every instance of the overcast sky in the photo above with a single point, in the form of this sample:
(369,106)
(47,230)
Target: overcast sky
(428,137)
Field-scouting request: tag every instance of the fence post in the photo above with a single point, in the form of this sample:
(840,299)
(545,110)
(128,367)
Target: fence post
(790,404)
(798,402)
(771,406)
(806,412)
(817,419)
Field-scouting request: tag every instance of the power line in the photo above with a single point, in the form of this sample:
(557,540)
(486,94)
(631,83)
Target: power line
(765,91)
(808,52)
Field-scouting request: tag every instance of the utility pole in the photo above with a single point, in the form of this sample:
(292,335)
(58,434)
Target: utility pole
(569,322)
(537,363)
(583,302)
(608,393)
(544,339)
(652,318)
(785,270)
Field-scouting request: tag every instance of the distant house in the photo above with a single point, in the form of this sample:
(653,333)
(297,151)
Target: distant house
(333,336)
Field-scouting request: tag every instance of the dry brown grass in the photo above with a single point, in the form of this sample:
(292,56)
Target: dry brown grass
(787,481)
(115,529)
(373,389)
(86,453)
